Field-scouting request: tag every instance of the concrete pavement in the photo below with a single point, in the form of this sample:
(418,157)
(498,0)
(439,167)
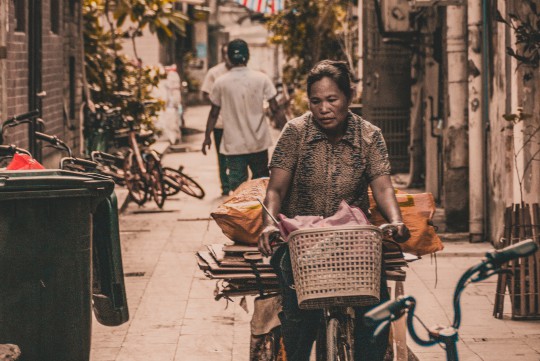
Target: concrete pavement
(173,315)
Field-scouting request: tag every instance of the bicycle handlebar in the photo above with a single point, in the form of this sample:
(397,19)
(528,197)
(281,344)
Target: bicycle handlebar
(383,314)
(31,114)
(16,120)
(12,149)
(54,141)
(522,249)
(87,164)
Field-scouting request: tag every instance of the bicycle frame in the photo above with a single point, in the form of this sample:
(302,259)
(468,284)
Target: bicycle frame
(134,145)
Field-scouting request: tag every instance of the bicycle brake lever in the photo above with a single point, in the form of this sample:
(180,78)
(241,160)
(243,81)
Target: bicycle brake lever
(485,274)
(380,328)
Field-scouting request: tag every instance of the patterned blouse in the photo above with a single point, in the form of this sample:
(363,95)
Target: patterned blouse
(325,174)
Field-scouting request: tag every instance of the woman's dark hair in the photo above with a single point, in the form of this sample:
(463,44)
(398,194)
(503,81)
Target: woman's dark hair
(338,71)
(238,52)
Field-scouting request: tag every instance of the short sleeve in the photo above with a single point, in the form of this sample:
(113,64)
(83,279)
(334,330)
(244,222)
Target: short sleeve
(377,162)
(269,88)
(208,82)
(215,94)
(285,153)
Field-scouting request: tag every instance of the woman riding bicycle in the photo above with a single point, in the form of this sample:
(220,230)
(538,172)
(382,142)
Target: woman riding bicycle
(323,157)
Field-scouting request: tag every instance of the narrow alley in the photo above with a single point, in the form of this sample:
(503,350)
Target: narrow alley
(173,315)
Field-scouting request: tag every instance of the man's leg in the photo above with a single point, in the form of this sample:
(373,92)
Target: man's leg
(237,165)
(258,163)
(222,163)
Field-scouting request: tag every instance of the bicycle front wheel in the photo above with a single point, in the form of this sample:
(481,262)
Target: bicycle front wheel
(157,188)
(185,183)
(134,179)
(338,341)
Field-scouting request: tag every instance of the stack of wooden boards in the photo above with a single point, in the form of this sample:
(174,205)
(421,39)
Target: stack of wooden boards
(240,277)
(521,222)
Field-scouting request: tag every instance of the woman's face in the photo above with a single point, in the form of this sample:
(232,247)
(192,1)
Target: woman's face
(328,104)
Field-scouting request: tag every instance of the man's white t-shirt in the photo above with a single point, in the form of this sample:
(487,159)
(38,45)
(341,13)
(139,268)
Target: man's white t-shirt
(241,93)
(209,80)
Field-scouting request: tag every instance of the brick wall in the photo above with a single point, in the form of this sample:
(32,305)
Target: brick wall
(57,48)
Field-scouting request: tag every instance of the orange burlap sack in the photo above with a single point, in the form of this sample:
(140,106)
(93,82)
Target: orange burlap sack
(240,216)
(417,211)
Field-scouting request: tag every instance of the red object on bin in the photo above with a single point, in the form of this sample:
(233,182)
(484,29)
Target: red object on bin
(22,162)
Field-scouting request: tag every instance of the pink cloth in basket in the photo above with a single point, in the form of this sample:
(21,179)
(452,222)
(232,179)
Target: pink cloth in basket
(345,216)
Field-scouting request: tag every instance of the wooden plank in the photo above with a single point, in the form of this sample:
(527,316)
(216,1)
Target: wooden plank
(202,263)
(536,237)
(239,248)
(531,272)
(498,307)
(515,234)
(236,276)
(522,266)
(215,267)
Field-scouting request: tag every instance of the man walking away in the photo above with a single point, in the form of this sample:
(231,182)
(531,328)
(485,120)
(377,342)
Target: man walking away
(206,88)
(239,97)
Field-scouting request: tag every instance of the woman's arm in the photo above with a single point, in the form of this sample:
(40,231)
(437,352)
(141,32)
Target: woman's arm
(278,186)
(383,193)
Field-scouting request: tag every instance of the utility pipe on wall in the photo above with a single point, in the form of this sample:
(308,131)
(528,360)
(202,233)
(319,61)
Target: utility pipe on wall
(455,134)
(476,123)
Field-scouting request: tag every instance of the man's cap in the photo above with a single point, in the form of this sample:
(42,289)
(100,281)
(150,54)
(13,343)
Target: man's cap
(238,51)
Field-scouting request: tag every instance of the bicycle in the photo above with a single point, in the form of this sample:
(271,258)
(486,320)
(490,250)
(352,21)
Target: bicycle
(336,269)
(111,165)
(143,173)
(381,316)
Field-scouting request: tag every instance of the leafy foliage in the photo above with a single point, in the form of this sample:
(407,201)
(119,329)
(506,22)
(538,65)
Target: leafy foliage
(527,31)
(312,30)
(114,79)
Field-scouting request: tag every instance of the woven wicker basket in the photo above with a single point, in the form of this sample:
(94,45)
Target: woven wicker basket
(336,266)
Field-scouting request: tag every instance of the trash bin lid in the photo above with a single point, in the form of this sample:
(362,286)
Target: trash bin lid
(24,181)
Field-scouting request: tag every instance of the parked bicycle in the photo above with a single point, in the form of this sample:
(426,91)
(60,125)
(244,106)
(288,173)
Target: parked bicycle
(381,316)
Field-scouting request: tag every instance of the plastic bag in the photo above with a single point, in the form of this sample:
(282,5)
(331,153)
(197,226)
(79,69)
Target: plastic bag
(345,216)
(23,162)
(417,211)
(240,216)
(169,123)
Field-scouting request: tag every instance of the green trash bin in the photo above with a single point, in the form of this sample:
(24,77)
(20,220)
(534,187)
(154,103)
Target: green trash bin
(46,261)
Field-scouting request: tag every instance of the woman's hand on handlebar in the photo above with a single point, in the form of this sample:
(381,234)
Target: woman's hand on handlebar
(402,233)
(268,236)
(398,231)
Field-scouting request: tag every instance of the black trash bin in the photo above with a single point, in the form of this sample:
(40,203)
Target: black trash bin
(46,261)
(109,292)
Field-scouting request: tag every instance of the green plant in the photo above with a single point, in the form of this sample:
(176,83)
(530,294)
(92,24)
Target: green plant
(312,30)
(114,78)
(527,30)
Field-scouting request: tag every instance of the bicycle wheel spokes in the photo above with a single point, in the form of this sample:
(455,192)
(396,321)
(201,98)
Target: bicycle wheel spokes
(135,181)
(170,185)
(187,184)
(155,174)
